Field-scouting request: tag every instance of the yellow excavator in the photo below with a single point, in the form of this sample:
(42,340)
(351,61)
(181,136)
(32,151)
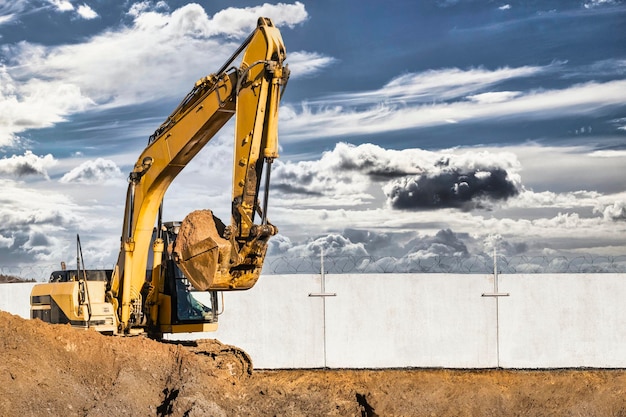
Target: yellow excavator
(168,274)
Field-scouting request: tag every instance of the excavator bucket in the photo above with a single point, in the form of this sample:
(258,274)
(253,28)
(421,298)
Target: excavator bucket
(201,250)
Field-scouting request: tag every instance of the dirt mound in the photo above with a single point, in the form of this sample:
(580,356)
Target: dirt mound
(59,371)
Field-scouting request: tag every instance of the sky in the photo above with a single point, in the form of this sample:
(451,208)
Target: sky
(409,131)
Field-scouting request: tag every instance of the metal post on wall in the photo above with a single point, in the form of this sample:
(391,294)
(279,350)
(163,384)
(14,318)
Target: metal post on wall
(496,294)
(323,294)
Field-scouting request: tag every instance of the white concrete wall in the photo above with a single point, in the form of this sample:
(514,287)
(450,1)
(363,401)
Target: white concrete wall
(399,320)
(559,320)
(276,322)
(15,298)
(420,320)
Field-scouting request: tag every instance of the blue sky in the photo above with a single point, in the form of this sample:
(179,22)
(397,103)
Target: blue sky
(408,129)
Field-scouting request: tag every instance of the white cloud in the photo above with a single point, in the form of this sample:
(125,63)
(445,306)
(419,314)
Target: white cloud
(86,12)
(27,164)
(567,200)
(615,212)
(505,7)
(444,250)
(141,7)
(11,10)
(32,220)
(93,172)
(371,113)
(612,153)
(34,103)
(340,176)
(232,22)
(443,243)
(620,123)
(303,64)
(570,169)
(598,3)
(333,245)
(6,242)
(613,68)
(434,86)
(62,5)
(120,66)
(493,97)
(240,21)
(39,223)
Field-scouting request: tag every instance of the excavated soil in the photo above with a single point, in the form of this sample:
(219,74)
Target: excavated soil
(54,370)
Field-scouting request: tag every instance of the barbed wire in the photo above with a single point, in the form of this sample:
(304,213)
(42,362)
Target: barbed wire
(447,264)
(275,265)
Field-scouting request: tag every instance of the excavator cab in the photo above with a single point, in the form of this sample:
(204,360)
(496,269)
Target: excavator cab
(182,308)
(189,307)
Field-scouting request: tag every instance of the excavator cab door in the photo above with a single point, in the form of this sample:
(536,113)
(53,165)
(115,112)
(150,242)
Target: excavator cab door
(190,305)
(182,308)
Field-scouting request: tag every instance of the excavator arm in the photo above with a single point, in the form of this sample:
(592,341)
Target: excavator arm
(212,255)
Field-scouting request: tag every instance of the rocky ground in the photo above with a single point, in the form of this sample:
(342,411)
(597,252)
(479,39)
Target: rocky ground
(54,370)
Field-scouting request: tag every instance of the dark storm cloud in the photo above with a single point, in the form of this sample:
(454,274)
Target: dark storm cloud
(450,189)
(294,189)
(412,178)
(25,169)
(293,181)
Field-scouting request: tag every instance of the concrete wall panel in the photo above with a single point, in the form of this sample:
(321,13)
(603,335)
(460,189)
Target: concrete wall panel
(563,320)
(275,322)
(410,320)
(15,298)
